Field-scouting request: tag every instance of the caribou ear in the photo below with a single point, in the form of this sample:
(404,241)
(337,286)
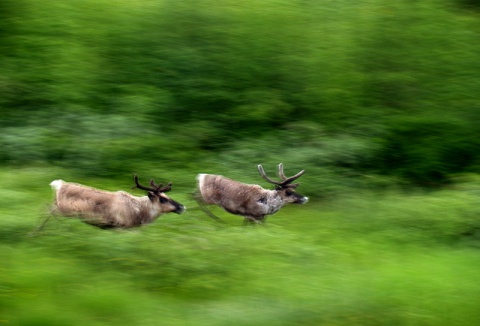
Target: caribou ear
(151,196)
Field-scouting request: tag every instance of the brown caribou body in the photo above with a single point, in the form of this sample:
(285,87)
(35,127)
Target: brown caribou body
(118,209)
(248,200)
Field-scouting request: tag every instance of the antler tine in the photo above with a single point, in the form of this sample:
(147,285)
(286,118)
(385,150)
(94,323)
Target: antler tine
(280,171)
(160,188)
(262,173)
(291,179)
(168,187)
(154,185)
(139,186)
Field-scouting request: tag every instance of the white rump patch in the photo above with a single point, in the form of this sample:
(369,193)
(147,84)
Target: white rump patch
(200,179)
(56,184)
(201,182)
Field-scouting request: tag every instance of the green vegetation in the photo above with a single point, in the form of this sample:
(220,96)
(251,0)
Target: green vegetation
(370,87)
(361,259)
(377,100)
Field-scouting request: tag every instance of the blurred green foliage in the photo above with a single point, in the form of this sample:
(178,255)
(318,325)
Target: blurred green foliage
(365,95)
(429,149)
(361,258)
(335,87)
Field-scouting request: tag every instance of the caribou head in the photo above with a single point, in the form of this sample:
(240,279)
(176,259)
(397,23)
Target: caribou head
(156,193)
(285,188)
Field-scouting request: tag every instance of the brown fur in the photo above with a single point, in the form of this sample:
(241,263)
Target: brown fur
(251,201)
(109,209)
(233,196)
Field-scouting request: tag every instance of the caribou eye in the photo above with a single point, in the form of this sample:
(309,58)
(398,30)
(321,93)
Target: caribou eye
(163,200)
(289,192)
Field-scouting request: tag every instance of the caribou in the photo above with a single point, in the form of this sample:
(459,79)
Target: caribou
(107,209)
(251,201)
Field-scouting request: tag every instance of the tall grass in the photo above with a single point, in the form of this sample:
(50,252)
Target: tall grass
(361,259)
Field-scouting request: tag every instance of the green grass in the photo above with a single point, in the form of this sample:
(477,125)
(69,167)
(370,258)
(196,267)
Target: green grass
(361,259)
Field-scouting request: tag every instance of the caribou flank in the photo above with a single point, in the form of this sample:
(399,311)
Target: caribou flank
(253,202)
(113,209)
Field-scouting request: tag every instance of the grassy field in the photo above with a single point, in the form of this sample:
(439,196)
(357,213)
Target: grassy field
(363,258)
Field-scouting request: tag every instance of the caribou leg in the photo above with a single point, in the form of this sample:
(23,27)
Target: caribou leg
(44,220)
(198,199)
(249,220)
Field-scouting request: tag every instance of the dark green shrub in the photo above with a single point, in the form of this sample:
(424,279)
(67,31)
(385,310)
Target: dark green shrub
(427,150)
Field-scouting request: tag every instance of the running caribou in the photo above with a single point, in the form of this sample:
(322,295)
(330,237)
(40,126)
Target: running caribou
(118,209)
(251,201)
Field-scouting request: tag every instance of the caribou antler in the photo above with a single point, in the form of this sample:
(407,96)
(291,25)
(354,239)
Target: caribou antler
(139,186)
(280,171)
(168,187)
(285,181)
(153,186)
(160,187)
(262,173)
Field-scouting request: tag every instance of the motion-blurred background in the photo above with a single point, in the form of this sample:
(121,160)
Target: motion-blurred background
(378,100)
(344,87)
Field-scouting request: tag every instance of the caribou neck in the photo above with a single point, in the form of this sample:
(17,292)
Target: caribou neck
(273,202)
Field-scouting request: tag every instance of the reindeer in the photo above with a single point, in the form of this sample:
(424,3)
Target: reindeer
(253,202)
(106,209)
